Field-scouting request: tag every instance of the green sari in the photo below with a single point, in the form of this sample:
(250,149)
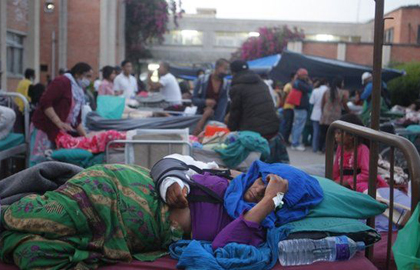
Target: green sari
(105,214)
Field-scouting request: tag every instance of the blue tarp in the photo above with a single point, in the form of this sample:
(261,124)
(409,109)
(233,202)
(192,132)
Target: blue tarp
(319,67)
(264,64)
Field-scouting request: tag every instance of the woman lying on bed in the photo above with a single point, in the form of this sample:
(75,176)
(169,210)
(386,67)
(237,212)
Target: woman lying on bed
(112,213)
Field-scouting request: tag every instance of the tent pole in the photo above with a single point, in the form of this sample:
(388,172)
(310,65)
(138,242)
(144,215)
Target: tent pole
(375,101)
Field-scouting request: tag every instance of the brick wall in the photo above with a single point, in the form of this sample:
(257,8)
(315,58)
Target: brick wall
(359,53)
(48,24)
(323,49)
(83,33)
(404,53)
(409,25)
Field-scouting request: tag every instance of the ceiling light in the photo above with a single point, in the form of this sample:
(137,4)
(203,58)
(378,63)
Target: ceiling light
(253,34)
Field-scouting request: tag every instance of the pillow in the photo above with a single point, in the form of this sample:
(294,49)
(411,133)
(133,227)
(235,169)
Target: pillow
(75,156)
(341,202)
(110,107)
(321,227)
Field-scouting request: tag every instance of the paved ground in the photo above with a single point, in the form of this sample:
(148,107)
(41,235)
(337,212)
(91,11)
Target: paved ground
(305,158)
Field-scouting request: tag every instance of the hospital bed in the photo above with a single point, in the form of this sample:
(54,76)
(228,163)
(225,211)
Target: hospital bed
(380,255)
(95,122)
(145,147)
(16,144)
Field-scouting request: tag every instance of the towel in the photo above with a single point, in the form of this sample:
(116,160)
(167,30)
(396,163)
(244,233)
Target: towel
(304,193)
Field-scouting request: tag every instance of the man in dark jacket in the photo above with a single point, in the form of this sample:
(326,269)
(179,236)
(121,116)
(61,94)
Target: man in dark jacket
(304,85)
(251,106)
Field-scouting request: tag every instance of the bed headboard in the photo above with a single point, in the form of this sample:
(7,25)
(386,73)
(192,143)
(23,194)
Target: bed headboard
(394,142)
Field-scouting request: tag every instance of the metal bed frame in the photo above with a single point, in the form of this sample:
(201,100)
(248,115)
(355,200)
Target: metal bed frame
(22,149)
(393,141)
(149,143)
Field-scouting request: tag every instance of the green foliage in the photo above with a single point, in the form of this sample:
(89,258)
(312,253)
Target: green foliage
(406,89)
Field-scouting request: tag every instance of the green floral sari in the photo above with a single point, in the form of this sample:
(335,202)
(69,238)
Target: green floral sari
(105,214)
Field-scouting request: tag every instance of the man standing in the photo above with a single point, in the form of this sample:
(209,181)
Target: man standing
(367,96)
(251,103)
(23,87)
(125,84)
(304,85)
(287,123)
(211,91)
(167,85)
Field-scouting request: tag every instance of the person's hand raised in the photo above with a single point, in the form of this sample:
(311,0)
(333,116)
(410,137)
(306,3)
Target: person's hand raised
(275,185)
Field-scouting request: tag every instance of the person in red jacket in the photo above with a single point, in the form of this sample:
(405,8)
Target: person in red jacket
(60,109)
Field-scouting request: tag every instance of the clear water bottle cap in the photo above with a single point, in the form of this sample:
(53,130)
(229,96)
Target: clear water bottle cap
(360,246)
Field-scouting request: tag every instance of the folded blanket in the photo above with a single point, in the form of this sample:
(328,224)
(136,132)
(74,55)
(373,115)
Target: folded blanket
(199,255)
(38,179)
(238,151)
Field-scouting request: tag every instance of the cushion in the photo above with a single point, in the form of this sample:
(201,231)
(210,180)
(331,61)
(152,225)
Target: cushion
(341,202)
(79,157)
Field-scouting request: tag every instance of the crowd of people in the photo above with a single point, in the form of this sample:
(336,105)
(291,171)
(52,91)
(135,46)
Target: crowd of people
(297,114)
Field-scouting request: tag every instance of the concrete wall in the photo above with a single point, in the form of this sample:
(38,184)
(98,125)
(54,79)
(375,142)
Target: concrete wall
(323,49)
(209,51)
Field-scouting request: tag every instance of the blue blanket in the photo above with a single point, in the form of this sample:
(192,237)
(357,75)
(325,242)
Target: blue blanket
(304,192)
(198,255)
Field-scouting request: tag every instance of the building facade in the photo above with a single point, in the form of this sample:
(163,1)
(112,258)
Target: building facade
(202,38)
(48,35)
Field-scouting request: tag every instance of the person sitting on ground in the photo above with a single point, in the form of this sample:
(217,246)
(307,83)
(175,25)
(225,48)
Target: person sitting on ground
(59,110)
(106,87)
(112,213)
(167,85)
(125,84)
(362,178)
(23,87)
(251,105)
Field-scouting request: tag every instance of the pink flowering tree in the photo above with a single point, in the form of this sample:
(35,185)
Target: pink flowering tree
(147,20)
(272,40)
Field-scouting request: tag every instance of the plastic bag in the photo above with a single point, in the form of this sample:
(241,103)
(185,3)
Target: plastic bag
(407,246)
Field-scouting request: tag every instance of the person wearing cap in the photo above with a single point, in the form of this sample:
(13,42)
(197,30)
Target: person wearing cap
(251,105)
(367,95)
(304,85)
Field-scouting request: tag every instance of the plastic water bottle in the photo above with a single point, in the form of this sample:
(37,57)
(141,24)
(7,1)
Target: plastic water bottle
(307,251)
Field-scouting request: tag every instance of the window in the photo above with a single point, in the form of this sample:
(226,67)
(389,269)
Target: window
(184,37)
(418,34)
(230,39)
(389,35)
(14,53)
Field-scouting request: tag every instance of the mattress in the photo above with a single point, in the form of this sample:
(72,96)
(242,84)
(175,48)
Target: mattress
(12,140)
(166,263)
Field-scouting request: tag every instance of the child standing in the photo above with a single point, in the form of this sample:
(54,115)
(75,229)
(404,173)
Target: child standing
(362,178)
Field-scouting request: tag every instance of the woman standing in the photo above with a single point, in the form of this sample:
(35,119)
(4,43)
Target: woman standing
(332,103)
(59,109)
